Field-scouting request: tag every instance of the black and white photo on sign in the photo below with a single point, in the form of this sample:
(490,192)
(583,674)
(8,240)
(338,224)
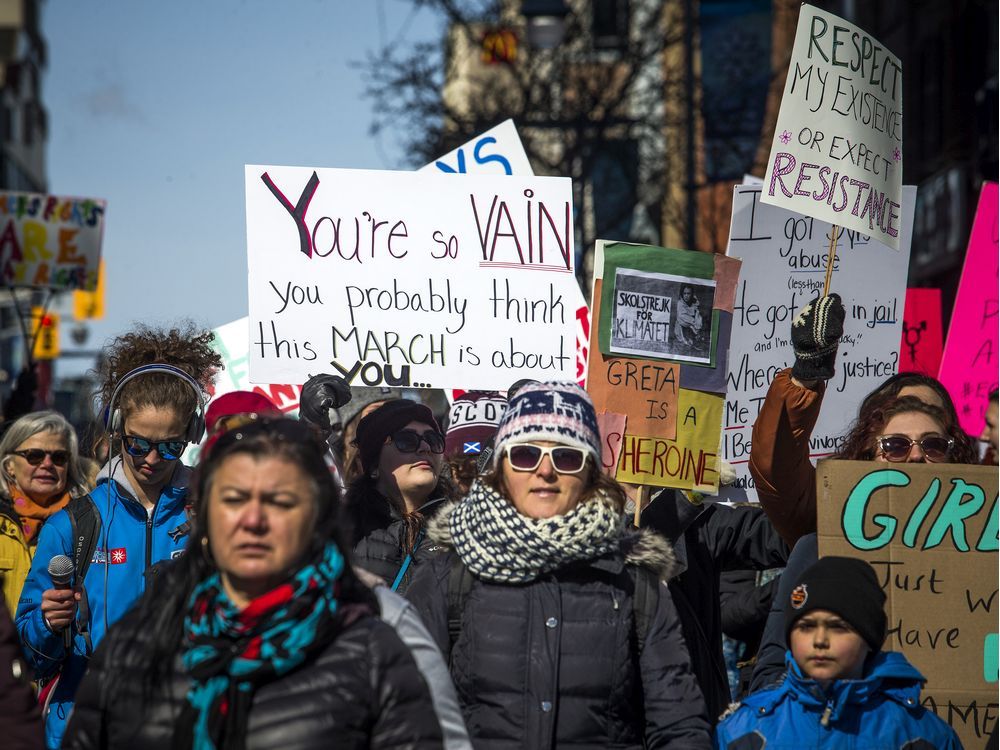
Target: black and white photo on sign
(662,316)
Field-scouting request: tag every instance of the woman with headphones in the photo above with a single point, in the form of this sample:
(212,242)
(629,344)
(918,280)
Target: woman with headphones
(152,390)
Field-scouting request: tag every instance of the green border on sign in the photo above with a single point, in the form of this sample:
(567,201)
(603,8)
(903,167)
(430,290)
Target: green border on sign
(655,260)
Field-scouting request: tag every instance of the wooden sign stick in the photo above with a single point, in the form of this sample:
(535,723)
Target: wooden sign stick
(640,500)
(831,253)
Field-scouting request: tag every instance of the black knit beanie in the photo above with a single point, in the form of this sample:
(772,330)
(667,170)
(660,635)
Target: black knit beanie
(375,427)
(847,587)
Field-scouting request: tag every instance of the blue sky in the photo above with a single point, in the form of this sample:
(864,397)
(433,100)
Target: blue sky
(156,107)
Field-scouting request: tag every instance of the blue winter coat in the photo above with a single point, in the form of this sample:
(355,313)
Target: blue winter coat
(130,541)
(880,712)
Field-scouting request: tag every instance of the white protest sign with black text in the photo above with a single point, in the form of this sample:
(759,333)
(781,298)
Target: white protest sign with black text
(407,279)
(838,142)
(784,260)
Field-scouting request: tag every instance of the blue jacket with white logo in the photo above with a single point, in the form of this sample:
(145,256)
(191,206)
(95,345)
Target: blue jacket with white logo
(882,711)
(129,542)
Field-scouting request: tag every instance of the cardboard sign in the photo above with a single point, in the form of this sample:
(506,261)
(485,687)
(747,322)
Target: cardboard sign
(930,532)
(655,363)
(409,280)
(498,151)
(50,241)
(969,363)
(920,349)
(784,259)
(838,142)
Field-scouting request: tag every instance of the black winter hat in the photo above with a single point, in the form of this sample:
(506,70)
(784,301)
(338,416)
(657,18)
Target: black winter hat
(375,427)
(847,587)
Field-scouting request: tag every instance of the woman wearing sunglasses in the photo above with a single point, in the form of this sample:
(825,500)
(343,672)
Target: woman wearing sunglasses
(152,393)
(401,449)
(551,612)
(41,470)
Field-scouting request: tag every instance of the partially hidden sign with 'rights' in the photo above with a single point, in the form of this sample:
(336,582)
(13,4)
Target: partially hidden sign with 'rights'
(930,532)
(410,280)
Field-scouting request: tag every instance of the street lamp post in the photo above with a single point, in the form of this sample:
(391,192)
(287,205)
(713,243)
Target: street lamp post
(546,22)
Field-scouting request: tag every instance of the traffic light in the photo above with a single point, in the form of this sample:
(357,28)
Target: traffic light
(45,330)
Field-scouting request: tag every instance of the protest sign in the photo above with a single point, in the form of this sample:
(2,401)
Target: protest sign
(232,342)
(838,142)
(612,427)
(655,360)
(969,362)
(783,257)
(498,151)
(50,241)
(920,349)
(930,532)
(406,279)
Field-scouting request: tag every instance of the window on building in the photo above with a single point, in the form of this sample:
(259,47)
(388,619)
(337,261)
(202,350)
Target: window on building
(610,23)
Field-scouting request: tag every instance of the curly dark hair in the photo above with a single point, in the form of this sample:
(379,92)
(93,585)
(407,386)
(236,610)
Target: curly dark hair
(596,483)
(859,444)
(889,391)
(186,347)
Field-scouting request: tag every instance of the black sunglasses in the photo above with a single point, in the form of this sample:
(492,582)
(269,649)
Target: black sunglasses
(897,447)
(408,441)
(169,450)
(35,456)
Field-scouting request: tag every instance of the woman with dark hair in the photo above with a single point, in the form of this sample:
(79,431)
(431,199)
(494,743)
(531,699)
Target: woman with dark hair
(909,418)
(261,636)
(688,320)
(779,456)
(40,458)
(152,390)
(402,485)
(557,628)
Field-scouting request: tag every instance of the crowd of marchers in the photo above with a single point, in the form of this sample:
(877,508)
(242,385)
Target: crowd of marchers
(362,577)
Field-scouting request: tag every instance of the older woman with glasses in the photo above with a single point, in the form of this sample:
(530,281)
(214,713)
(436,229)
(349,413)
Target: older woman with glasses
(41,470)
(401,448)
(553,616)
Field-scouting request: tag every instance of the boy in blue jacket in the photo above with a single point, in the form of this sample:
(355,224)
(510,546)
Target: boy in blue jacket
(841,690)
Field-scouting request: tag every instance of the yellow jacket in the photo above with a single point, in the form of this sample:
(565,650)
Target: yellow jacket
(15,560)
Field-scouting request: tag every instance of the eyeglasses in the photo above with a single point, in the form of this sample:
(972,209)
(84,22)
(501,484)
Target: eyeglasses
(169,450)
(408,441)
(528,457)
(897,447)
(35,456)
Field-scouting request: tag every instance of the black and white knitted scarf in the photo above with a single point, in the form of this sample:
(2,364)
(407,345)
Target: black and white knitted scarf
(499,544)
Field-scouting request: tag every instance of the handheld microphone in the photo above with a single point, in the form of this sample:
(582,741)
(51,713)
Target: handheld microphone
(61,573)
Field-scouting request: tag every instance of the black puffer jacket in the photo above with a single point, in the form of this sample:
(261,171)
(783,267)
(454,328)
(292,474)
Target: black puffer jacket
(707,540)
(554,663)
(362,691)
(380,540)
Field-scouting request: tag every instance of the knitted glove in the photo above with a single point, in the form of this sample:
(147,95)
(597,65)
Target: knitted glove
(321,395)
(816,331)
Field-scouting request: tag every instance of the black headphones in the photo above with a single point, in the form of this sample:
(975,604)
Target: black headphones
(114,423)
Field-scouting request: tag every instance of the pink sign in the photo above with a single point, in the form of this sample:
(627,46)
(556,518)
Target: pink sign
(920,348)
(969,364)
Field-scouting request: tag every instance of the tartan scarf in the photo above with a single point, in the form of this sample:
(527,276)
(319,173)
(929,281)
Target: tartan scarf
(499,544)
(229,652)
